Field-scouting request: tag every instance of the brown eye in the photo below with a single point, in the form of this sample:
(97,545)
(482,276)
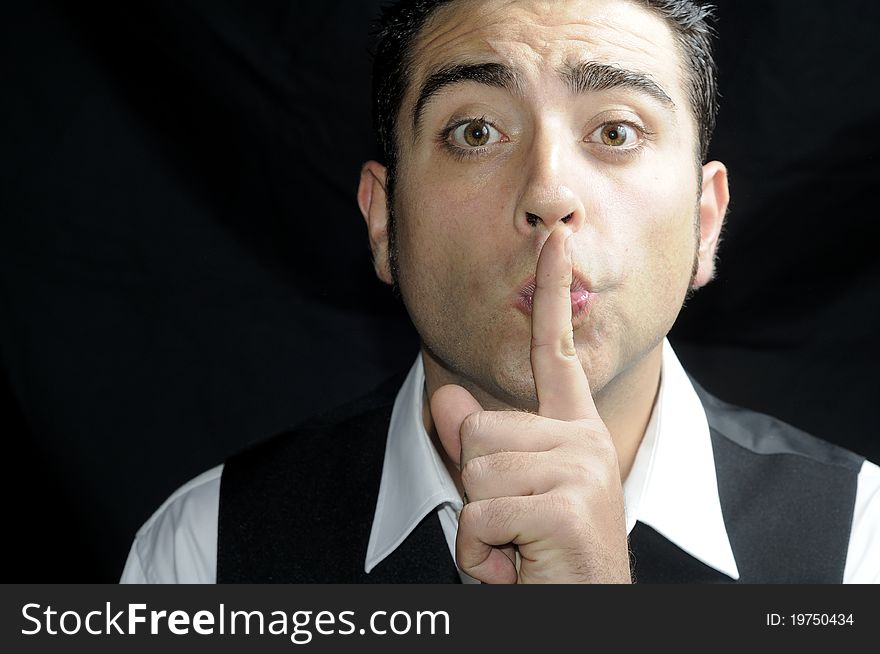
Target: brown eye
(475,133)
(615,135)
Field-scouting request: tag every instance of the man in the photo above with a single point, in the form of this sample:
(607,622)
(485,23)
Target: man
(543,210)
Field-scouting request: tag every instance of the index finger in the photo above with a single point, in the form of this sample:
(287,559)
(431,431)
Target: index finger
(560,380)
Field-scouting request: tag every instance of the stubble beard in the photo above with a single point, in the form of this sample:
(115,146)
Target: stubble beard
(516,388)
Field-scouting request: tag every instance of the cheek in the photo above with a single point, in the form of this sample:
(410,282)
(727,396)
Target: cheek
(676,231)
(652,224)
(434,256)
(669,264)
(451,218)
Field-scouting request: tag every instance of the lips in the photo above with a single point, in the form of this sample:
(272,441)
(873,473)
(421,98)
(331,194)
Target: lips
(582,298)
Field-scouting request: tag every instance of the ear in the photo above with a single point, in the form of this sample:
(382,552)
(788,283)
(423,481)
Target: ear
(373,202)
(713,208)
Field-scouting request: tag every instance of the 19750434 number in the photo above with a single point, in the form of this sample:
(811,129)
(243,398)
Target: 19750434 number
(809,619)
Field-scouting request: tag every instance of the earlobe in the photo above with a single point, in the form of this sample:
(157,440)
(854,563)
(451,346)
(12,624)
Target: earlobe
(373,202)
(714,199)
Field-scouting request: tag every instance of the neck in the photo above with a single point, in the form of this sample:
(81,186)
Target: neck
(625,405)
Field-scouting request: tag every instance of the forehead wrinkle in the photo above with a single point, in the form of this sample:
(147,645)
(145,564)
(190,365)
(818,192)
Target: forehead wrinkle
(540,25)
(537,39)
(602,29)
(534,44)
(439,32)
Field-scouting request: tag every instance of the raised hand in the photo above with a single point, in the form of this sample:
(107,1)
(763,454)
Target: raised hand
(548,485)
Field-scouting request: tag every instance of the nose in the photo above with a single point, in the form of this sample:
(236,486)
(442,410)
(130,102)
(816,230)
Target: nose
(550,192)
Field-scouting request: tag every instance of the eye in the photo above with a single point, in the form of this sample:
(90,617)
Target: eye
(616,135)
(474,134)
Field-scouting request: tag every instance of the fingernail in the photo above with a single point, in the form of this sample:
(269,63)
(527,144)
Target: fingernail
(568,247)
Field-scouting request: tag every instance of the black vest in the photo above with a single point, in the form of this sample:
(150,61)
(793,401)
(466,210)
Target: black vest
(299,508)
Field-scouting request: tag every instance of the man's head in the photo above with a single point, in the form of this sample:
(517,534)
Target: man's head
(401,23)
(499,121)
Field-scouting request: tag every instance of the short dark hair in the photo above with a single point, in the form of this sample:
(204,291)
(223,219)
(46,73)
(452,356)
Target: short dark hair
(400,24)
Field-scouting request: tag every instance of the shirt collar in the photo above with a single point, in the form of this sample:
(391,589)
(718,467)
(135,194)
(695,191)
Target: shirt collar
(672,486)
(414,479)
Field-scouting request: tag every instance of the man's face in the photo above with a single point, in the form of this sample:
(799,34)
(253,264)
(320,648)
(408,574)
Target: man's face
(493,164)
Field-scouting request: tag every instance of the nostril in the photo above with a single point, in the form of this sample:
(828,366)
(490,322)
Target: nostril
(533,218)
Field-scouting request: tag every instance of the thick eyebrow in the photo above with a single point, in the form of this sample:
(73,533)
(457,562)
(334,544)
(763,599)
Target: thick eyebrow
(490,74)
(588,76)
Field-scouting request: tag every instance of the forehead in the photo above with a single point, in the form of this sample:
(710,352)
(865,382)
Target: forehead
(538,37)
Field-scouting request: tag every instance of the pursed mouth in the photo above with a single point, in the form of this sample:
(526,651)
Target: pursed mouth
(582,297)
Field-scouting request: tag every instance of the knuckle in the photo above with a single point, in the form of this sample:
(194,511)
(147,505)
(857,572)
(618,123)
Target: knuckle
(599,445)
(594,428)
(481,469)
(541,344)
(511,462)
(606,455)
(471,425)
(566,346)
(541,341)
(472,472)
(498,513)
(471,517)
(479,424)
(557,348)
(579,470)
(565,512)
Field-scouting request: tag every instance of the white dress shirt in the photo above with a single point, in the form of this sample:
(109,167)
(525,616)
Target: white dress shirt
(671,487)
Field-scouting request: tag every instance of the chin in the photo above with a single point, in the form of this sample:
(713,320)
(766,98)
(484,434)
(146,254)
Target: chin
(508,377)
(517,392)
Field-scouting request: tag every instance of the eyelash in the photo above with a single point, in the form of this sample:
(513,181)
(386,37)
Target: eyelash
(462,154)
(625,153)
(466,154)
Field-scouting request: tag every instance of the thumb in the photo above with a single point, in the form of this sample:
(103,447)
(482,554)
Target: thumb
(450,405)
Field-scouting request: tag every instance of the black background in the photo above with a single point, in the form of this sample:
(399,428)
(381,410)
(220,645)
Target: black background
(183,268)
